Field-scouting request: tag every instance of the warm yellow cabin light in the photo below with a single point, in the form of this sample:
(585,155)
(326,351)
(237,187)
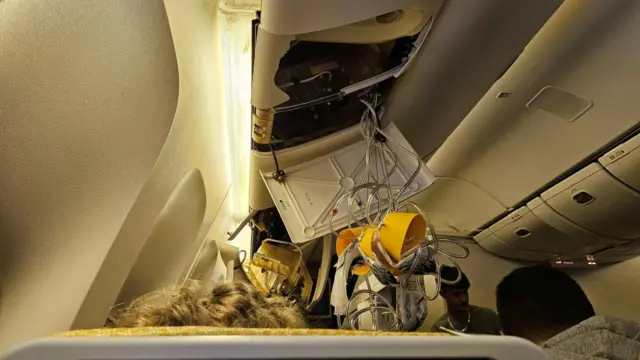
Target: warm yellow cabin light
(235,29)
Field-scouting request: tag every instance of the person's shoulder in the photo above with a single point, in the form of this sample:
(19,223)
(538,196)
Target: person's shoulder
(483,311)
(489,317)
(438,323)
(441,320)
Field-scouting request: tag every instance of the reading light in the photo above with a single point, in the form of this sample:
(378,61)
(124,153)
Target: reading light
(235,29)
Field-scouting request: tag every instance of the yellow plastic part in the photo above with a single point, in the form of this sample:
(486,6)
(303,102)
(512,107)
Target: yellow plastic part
(262,125)
(401,232)
(346,237)
(368,247)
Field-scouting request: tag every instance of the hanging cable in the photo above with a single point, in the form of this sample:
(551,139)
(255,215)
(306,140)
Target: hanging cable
(279,175)
(372,192)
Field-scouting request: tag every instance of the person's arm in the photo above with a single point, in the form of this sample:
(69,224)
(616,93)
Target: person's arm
(436,326)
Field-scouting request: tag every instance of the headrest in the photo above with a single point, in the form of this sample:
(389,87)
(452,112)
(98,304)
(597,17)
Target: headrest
(214,331)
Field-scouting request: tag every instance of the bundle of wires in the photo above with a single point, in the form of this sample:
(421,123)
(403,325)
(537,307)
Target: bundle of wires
(371,193)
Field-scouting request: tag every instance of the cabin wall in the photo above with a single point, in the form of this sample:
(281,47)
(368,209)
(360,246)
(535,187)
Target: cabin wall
(611,289)
(113,155)
(188,184)
(87,99)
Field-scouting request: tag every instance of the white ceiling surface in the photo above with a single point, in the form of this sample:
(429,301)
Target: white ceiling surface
(87,97)
(471,44)
(504,152)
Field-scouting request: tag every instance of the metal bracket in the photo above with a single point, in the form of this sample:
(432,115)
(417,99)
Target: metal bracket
(245,221)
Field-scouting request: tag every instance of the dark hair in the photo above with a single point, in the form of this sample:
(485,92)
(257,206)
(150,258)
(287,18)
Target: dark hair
(538,302)
(450,273)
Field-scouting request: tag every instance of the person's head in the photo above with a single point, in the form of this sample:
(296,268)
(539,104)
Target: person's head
(236,305)
(456,295)
(539,302)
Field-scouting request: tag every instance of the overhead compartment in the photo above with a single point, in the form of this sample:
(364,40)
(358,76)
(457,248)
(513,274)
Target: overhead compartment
(538,232)
(590,241)
(617,254)
(595,200)
(623,162)
(524,230)
(561,102)
(490,242)
(314,76)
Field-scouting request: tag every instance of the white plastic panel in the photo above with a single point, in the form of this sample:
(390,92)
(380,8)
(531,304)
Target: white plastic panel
(88,100)
(592,255)
(615,258)
(624,162)
(551,233)
(524,230)
(311,189)
(493,32)
(291,17)
(280,347)
(447,216)
(632,248)
(595,200)
(488,241)
(511,151)
(581,254)
(618,253)
(549,216)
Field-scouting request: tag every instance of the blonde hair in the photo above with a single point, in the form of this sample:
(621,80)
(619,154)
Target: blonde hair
(237,305)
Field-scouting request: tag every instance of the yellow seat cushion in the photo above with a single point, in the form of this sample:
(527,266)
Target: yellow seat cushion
(213,331)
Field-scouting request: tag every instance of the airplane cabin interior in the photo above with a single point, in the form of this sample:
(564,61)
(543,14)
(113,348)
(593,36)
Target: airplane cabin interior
(339,153)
